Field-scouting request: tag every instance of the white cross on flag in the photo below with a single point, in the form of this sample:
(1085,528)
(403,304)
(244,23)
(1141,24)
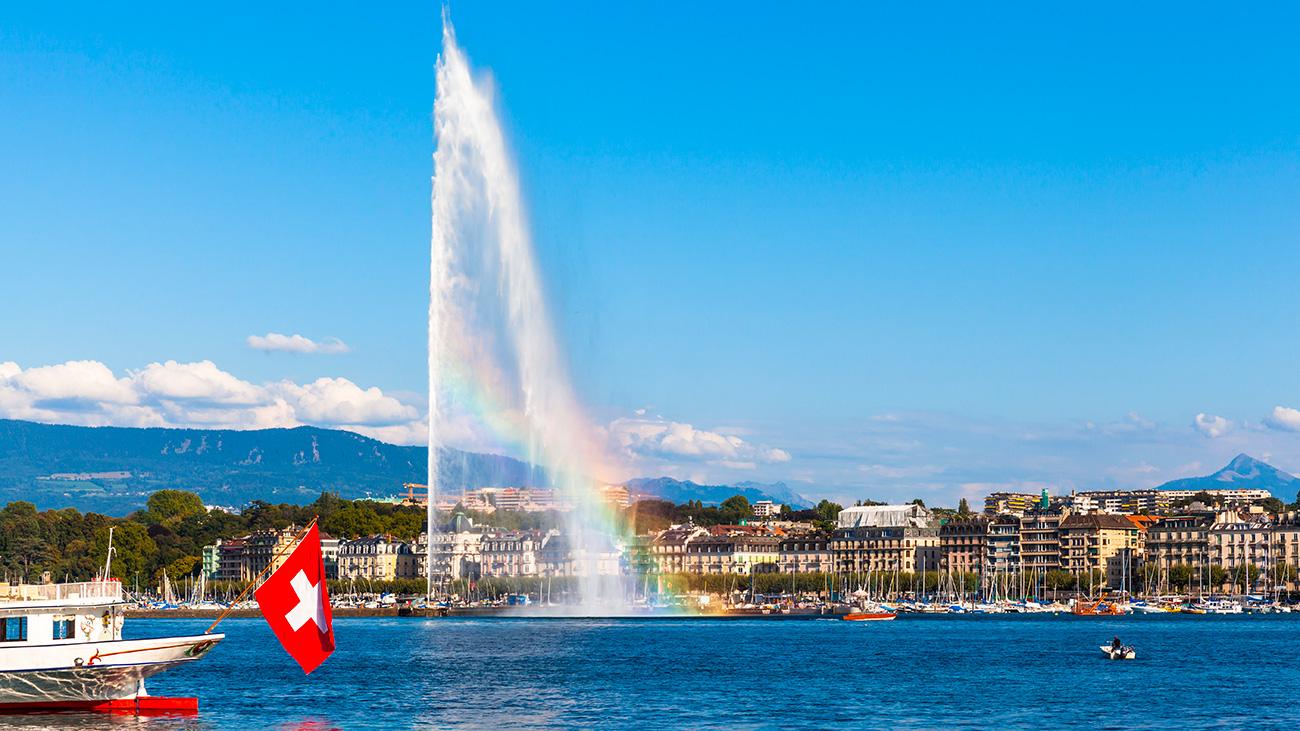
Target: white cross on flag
(296,603)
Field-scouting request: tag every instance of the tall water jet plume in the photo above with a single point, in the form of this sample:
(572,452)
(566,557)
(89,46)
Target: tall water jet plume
(495,368)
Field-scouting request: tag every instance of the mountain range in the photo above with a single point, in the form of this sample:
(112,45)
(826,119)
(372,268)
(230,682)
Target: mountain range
(1244,471)
(114,469)
(680,491)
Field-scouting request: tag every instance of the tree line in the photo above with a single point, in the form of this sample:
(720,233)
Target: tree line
(170,532)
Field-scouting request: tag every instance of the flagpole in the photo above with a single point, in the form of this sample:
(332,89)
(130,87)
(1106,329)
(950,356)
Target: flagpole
(269,565)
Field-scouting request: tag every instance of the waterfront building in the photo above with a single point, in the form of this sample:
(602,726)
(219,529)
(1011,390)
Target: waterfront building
(640,555)
(412,559)
(1236,541)
(457,554)
(1002,544)
(511,553)
(212,560)
(963,544)
(1090,542)
(808,553)
(557,556)
(733,554)
(329,550)
(244,558)
(885,538)
(897,548)
(1227,539)
(268,549)
(372,558)
(230,560)
(1286,539)
(1040,539)
(667,550)
(1179,540)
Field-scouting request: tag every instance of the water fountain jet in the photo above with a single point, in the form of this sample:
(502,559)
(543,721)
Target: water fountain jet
(492,353)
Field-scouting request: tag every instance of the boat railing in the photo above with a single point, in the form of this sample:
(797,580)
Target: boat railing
(111,590)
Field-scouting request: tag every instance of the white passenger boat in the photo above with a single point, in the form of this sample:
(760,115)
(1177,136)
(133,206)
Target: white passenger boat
(61,648)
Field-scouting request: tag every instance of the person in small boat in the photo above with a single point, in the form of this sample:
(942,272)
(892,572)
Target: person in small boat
(1115,644)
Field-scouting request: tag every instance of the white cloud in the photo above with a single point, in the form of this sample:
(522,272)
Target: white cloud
(338,401)
(296,344)
(199,395)
(1284,418)
(1212,426)
(661,439)
(201,381)
(75,382)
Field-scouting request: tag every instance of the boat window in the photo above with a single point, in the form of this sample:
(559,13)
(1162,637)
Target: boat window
(13,629)
(65,628)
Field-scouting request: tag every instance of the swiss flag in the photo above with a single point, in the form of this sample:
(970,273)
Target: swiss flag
(296,604)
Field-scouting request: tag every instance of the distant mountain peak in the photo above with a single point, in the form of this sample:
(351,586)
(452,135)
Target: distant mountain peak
(1242,463)
(1244,471)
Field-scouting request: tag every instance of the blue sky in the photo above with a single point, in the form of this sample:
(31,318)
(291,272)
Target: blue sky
(900,245)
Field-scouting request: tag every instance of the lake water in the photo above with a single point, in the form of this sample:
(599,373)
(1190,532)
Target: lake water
(913,673)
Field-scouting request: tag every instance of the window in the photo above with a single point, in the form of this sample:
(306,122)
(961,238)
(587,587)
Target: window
(65,628)
(13,629)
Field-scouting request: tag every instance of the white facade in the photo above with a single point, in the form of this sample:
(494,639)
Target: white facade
(885,516)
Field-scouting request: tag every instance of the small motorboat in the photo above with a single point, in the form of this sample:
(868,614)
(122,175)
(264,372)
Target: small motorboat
(1124,652)
(869,616)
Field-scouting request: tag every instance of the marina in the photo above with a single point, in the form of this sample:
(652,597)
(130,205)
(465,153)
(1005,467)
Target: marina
(807,608)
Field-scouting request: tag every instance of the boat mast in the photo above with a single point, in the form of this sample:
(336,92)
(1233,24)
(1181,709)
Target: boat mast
(108,556)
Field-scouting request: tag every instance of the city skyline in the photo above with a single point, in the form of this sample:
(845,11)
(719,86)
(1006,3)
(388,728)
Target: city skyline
(768,254)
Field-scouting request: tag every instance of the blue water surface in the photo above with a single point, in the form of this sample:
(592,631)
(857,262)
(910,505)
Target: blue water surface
(1009,672)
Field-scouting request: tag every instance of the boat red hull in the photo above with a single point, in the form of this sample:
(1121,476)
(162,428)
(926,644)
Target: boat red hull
(869,616)
(148,705)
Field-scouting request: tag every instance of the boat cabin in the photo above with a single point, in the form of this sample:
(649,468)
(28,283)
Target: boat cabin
(44,614)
